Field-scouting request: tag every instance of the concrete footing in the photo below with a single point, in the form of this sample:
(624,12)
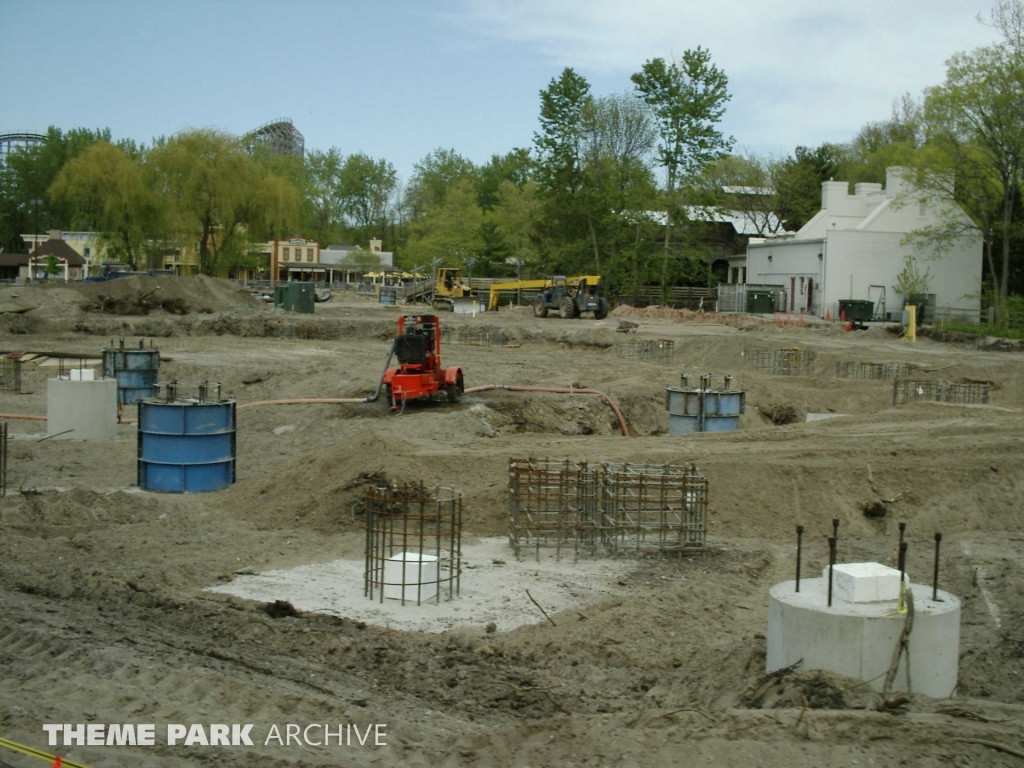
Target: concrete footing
(858,639)
(80,409)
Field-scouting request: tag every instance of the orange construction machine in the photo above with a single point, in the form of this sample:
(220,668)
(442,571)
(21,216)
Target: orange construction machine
(419,373)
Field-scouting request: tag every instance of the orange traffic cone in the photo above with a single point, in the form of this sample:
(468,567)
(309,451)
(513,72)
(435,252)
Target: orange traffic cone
(842,316)
(56,762)
(801,320)
(828,319)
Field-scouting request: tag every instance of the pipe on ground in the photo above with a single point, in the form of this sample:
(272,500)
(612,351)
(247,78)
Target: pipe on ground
(22,416)
(558,391)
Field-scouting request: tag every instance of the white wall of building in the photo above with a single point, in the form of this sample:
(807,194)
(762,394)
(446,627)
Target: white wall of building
(860,239)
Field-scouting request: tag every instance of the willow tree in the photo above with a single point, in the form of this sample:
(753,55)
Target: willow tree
(108,192)
(219,196)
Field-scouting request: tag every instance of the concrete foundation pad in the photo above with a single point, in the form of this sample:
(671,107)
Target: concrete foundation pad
(858,639)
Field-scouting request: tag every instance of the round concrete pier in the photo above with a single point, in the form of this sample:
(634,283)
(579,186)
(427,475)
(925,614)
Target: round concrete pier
(857,639)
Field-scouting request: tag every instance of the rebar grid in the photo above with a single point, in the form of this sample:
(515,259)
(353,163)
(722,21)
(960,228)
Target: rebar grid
(656,350)
(612,509)
(886,371)
(966,393)
(474,337)
(3,459)
(652,508)
(781,362)
(10,372)
(413,543)
(552,504)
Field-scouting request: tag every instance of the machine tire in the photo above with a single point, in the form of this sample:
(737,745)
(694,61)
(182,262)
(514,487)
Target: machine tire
(454,392)
(567,308)
(539,310)
(602,309)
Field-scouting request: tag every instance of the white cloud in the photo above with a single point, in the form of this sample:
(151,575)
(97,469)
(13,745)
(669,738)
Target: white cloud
(801,71)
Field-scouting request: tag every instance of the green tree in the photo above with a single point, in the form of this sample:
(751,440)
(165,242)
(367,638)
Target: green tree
(325,194)
(974,151)
(433,176)
(515,216)
(108,192)
(25,178)
(449,230)
(688,99)
(52,266)
(368,187)
(219,196)
(559,150)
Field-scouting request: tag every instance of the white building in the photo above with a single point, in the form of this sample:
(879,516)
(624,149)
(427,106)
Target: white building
(854,248)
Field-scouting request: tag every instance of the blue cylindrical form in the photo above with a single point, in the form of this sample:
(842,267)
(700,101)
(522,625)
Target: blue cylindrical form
(703,410)
(186,446)
(387,296)
(136,371)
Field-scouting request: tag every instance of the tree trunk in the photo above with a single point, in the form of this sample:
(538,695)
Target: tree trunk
(668,234)
(593,239)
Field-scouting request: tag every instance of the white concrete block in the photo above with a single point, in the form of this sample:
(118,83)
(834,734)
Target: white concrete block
(83,374)
(864,582)
(81,409)
(410,576)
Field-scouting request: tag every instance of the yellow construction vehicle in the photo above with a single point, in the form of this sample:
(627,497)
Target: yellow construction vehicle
(449,288)
(569,296)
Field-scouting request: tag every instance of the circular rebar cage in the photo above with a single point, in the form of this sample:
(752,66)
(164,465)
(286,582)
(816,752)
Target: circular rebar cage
(413,543)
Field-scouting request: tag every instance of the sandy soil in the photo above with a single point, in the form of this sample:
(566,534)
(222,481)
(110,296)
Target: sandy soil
(108,618)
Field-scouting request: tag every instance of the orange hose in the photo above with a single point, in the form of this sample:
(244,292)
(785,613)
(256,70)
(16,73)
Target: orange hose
(21,416)
(558,391)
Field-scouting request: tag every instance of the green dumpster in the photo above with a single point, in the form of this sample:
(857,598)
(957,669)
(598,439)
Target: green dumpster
(760,302)
(295,297)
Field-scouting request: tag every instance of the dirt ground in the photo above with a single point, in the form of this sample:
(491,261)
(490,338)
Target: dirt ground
(107,618)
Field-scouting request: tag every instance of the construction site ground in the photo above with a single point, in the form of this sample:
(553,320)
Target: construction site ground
(108,615)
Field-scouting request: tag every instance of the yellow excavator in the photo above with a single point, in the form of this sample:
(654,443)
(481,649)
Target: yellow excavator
(569,296)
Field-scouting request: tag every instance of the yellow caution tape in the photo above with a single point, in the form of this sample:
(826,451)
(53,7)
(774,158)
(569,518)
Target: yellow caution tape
(37,753)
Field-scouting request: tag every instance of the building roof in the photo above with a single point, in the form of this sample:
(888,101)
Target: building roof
(14,259)
(61,250)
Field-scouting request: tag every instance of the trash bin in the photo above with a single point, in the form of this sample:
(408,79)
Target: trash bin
(856,310)
(760,302)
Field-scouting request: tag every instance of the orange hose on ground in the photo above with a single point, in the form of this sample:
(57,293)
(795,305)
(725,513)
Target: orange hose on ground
(21,416)
(558,391)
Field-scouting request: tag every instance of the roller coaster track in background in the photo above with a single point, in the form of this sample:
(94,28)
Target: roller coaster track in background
(17,140)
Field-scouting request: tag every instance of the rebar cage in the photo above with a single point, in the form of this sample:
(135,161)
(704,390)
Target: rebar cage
(10,372)
(552,504)
(413,543)
(656,350)
(652,508)
(967,393)
(780,362)
(474,337)
(611,509)
(885,371)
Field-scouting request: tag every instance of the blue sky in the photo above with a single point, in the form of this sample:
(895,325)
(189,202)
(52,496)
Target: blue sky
(396,79)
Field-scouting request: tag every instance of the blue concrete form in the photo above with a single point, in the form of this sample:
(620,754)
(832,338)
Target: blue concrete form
(186,446)
(136,371)
(703,410)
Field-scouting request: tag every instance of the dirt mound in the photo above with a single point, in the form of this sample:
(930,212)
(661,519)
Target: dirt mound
(140,294)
